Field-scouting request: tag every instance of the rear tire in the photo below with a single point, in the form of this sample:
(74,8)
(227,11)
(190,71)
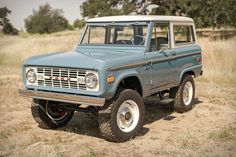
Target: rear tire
(122,117)
(183,95)
(47,119)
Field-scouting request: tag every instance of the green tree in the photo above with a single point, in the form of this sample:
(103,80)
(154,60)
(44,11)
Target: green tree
(206,13)
(46,20)
(79,23)
(210,13)
(167,7)
(93,8)
(7,27)
(70,27)
(215,13)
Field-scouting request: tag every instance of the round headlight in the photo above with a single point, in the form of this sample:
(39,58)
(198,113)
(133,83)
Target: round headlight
(91,80)
(31,76)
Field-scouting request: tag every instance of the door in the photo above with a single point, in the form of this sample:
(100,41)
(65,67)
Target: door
(187,51)
(162,64)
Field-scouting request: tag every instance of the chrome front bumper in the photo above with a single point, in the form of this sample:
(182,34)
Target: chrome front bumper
(69,98)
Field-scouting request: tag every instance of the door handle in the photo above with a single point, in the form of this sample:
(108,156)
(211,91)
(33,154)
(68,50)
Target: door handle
(165,54)
(149,66)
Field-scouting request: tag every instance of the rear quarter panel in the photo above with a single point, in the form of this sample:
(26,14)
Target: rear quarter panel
(189,63)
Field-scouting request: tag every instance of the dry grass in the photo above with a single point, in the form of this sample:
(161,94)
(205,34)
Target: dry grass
(219,57)
(219,60)
(224,134)
(208,130)
(14,49)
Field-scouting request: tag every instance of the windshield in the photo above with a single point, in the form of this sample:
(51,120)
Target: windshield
(132,34)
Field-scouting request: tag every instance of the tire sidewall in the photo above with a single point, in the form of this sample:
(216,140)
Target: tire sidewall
(186,79)
(41,107)
(128,95)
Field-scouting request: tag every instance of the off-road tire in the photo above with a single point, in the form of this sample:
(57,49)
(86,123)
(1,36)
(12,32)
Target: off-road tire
(40,116)
(177,94)
(107,117)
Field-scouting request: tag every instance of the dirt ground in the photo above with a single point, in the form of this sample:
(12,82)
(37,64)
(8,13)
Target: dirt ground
(207,130)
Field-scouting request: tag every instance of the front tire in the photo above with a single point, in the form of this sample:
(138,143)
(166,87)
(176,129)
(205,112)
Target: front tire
(183,95)
(122,117)
(48,115)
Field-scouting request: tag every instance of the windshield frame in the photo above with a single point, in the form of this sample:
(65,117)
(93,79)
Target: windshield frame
(111,24)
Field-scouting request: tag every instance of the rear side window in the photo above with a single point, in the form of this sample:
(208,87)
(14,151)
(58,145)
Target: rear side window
(183,34)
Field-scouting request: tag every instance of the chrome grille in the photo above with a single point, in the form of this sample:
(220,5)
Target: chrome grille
(61,77)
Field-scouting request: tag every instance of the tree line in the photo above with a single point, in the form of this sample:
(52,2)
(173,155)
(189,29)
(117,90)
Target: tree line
(206,13)
(6,26)
(43,20)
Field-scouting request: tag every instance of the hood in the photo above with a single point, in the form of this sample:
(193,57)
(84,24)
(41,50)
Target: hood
(86,59)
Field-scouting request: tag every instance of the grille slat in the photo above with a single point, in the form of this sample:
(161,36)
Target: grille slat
(61,77)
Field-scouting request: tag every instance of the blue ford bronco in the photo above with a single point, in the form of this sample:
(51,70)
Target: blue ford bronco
(118,61)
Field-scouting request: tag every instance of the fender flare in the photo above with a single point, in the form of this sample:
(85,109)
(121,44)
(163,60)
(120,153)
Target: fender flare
(124,75)
(189,69)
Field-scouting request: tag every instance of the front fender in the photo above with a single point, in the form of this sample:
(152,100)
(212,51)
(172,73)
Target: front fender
(120,75)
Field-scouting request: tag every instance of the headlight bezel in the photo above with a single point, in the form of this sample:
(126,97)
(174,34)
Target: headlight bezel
(94,74)
(28,69)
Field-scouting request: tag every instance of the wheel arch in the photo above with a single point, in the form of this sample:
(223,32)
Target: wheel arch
(126,77)
(131,82)
(186,72)
(195,71)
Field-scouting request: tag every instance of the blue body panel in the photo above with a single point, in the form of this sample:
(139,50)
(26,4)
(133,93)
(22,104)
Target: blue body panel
(189,63)
(90,59)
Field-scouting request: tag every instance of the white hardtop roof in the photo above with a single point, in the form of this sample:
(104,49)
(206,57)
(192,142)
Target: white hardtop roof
(135,18)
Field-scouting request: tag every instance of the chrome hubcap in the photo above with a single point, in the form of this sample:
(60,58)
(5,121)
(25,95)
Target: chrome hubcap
(188,93)
(128,116)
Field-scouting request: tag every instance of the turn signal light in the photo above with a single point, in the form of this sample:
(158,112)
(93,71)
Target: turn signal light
(111,79)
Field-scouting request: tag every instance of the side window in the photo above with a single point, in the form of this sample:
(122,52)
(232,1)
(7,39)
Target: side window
(130,35)
(124,33)
(160,37)
(183,34)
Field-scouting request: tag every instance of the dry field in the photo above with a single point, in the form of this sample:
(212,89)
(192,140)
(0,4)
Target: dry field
(208,130)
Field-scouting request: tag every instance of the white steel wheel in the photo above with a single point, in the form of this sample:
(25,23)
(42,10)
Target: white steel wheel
(128,116)
(122,117)
(188,93)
